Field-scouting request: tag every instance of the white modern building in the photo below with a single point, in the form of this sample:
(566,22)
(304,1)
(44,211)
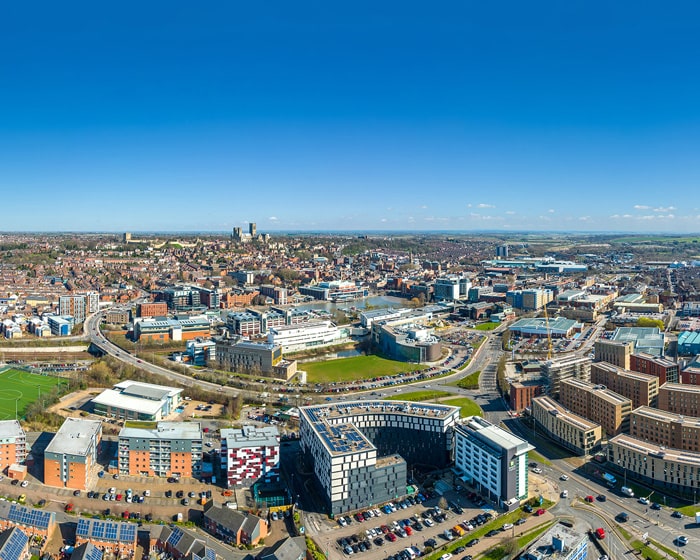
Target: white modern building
(250,454)
(294,338)
(133,400)
(493,459)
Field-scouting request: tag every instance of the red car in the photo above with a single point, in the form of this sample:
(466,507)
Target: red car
(589,498)
(391,536)
(119,497)
(539,512)
(68,508)
(600,533)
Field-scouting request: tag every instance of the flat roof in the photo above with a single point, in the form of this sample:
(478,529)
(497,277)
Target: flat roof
(659,451)
(11,429)
(665,416)
(74,437)
(251,436)
(134,386)
(344,437)
(599,390)
(116,399)
(165,430)
(680,387)
(495,434)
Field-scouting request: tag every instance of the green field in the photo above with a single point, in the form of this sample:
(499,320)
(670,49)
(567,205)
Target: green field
(486,326)
(468,406)
(419,396)
(356,368)
(22,388)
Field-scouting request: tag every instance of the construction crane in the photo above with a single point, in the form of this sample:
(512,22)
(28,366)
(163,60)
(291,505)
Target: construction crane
(549,333)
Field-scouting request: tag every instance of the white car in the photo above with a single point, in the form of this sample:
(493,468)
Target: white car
(446,556)
(564,477)
(507,526)
(537,470)
(24,484)
(644,501)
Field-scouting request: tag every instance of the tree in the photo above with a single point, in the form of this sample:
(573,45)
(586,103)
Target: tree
(648,322)
(442,502)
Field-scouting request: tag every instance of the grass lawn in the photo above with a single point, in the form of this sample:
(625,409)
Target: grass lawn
(468,406)
(355,368)
(471,381)
(688,510)
(527,538)
(534,456)
(23,388)
(667,550)
(419,396)
(647,552)
(486,326)
(141,425)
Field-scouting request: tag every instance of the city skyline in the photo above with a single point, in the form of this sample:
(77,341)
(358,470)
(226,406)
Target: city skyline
(158,118)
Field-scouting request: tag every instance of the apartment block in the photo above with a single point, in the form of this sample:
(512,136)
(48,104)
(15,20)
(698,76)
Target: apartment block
(556,371)
(152,309)
(71,455)
(596,402)
(614,352)
(664,369)
(658,466)
(569,430)
(13,444)
(170,449)
(75,306)
(522,393)
(641,388)
(250,454)
(666,428)
(680,399)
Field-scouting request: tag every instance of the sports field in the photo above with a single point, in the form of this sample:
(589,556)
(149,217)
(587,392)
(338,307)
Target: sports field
(355,368)
(23,388)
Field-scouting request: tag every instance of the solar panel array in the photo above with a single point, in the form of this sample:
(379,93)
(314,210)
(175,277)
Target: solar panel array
(175,537)
(106,530)
(14,547)
(30,517)
(93,553)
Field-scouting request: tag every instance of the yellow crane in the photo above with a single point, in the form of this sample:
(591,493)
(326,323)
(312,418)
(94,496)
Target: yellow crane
(549,333)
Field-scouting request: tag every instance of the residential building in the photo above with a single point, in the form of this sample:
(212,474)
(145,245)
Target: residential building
(118,317)
(680,399)
(641,388)
(557,370)
(233,527)
(71,456)
(560,543)
(291,548)
(614,352)
(493,460)
(14,544)
(597,402)
(75,306)
(149,309)
(666,428)
(134,400)
(112,537)
(31,521)
(170,449)
(353,447)
(522,393)
(664,369)
(13,444)
(529,300)
(569,430)
(277,293)
(179,543)
(250,454)
(658,466)
(690,374)
(86,551)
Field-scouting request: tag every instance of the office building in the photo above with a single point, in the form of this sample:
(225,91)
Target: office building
(250,454)
(613,352)
(493,460)
(71,456)
(529,300)
(680,399)
(75,306)
(569,430)
(353,447)
(538,327)
(597,402)
(337,291)
(118,317)
(451,288)
(641,388)
(664,369)
(666,428)
(200,352)
(257,358)
(314,334)
(180,299)
(658,466)
(13,444)
(60,326)
(558,543)
(170,449)
(133,400)
(166,330)
(277,293)
(152,309)
(556,371)
(210,297)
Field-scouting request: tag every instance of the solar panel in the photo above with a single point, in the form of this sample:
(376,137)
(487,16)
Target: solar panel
(175,537)
(14,547)
(93,553)
(97,530)
(29,517)
(127,532)
(110,531)
(83,529)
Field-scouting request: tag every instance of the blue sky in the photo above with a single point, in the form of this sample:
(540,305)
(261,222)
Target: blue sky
(465,115)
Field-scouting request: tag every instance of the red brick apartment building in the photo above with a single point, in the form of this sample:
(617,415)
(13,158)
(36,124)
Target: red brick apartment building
(665,370)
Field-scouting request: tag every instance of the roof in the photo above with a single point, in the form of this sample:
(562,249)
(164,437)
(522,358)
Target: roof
(637,445)
(165,430)
(232,519)
(494,435)
(86,551)
(75,437)
(251,436)
(13,543)
(26,516)
(98,530)
(135,387)
(566,416)
(110,397)
(10,429)
(292,548)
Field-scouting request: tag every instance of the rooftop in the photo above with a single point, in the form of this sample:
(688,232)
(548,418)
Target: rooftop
(75,437)
(495,435)
(10,429)
(680,387)
(165,430)
(251,436)
(566,416)
(659,451)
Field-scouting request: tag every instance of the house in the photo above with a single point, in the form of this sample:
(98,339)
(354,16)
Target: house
(292,548)
(180,544)
(233,527)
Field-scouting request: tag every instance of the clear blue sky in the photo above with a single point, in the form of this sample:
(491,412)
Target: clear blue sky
(359,115)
